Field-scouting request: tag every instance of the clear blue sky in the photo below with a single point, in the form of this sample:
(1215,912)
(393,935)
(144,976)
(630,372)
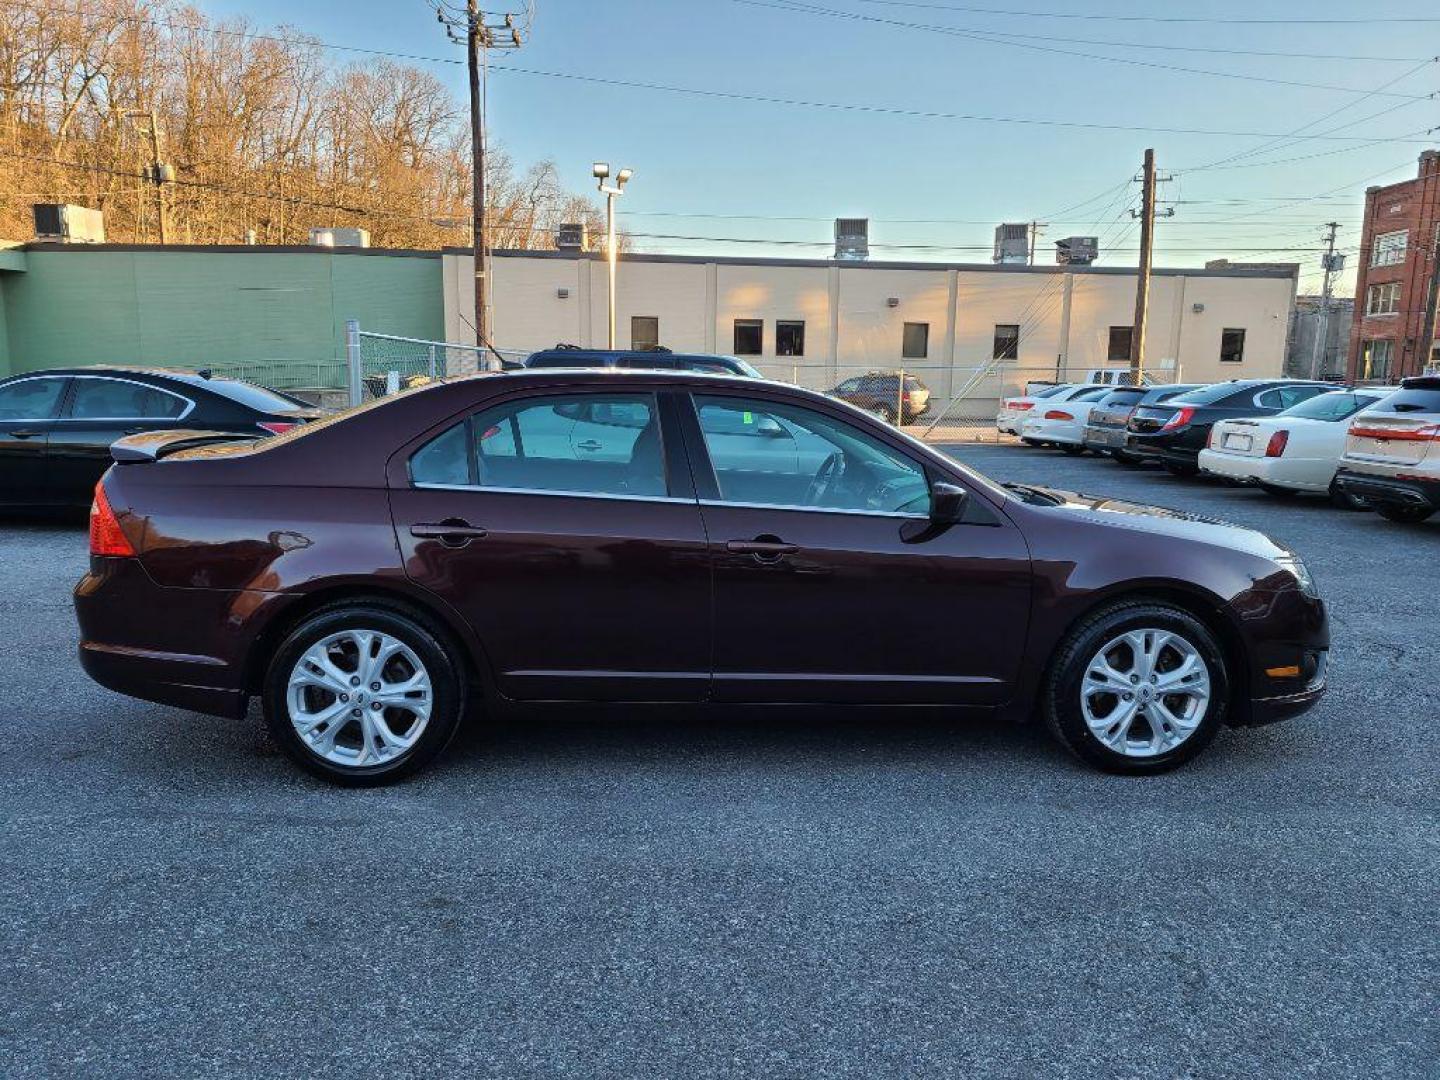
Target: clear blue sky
(714,156)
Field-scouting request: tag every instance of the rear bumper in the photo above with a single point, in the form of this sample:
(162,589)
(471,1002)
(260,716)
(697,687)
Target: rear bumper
(1389,489)
(167,678)
(1104,439)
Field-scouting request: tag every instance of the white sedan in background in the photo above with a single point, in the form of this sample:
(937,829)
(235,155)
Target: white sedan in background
(1059,419)
(1295,450)
(1013,410)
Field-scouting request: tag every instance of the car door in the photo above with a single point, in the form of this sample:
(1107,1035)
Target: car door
(98,411)
(832,584)
(585,577)
(28,408)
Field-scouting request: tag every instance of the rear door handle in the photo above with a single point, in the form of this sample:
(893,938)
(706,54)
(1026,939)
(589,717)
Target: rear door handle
(588,444)
(450,533)
(26,434)
(765,550)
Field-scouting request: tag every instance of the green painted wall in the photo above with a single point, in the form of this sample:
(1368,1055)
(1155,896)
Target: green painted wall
(253,312)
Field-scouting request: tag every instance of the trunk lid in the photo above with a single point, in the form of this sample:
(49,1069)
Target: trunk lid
(151,446)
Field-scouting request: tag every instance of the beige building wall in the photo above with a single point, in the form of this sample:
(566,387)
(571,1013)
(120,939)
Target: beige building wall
(854,315)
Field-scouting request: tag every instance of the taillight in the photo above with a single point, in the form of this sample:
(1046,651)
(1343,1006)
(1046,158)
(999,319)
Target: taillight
(1019,406)
(1420,434)
(1180,419)
(1276,446)
(106,536)
(1058,414)
(275,427)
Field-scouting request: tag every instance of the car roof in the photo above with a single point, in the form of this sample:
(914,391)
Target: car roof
(192,378)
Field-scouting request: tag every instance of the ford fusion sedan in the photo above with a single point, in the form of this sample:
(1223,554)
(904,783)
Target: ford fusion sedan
(381,577)
(56,426)
(1297,449)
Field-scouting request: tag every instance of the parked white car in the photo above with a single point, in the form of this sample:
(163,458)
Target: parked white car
(1014,410)
(1060,419)
(1298,449)
(1392,454)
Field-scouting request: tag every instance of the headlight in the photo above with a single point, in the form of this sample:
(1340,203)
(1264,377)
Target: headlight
(1296,566)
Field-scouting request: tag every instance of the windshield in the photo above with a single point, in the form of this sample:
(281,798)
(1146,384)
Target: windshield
(1333,406)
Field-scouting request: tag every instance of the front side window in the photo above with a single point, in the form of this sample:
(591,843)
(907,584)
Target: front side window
(1119,348)
(644,332)
(789,337)
(749,337)
(1389,249)
(778,454)
(1383,299)
(1232,346)
(595,444)
(31,399)
(1007,342)
(112,399)
(915,341)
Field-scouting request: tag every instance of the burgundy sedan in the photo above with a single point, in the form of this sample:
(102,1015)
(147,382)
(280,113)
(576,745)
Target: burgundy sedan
(579,536)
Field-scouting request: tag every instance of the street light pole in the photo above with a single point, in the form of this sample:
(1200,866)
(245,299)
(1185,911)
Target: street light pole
(601,171)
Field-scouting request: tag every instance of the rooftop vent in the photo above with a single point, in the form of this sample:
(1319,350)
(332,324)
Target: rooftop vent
(1077,250)
(357,238)
(852,238)
(66,223)
(1012,243)
(572,236)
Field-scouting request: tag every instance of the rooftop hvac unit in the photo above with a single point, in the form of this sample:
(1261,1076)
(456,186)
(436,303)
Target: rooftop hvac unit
(572,236)
(340,238)
(1012,243)
(1077,250)
(65,223)
(852,238)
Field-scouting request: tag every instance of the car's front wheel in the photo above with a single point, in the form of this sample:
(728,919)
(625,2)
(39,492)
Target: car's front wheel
(363,694)
(1139,687)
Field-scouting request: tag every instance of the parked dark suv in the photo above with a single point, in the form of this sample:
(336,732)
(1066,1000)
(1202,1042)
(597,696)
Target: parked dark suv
(1105,428)
(878,393)
(569,356)
(1174,432)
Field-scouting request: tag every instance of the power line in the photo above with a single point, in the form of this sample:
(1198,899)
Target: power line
(1099,17)
(797,7)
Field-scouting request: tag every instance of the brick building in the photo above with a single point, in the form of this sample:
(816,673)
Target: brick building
(1394,332)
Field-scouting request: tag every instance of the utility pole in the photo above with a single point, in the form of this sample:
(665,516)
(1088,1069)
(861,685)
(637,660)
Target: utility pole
(479,33)
(1330,262)
(157,172)
(1035,228)
(1142,283)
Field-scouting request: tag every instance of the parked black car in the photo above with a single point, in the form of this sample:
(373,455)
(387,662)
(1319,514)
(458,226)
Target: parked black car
(1174,432)
(878,393)
(56,426)
(569,356)
(1105,429)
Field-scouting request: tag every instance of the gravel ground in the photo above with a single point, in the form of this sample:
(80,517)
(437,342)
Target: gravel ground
(772,894)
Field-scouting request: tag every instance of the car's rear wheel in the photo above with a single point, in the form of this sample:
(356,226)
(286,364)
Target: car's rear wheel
(1176,468)
(1123,458)
(1278,491)
(1137,688)
(363,694)
(1406,515)
(1345,500)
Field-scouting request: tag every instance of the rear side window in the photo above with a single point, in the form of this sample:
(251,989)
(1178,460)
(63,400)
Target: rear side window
(1336,405)
(31,399)
(112,399)
(1209,395)
(1410,400)
(252,396)
(1283,397)
(595,444)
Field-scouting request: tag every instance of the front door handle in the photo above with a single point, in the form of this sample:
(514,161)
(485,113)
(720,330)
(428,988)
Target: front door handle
(764,548)
(26,434)
(588,444)
(452,532)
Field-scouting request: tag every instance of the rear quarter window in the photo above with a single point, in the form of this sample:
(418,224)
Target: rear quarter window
(251,396)
(1409,400)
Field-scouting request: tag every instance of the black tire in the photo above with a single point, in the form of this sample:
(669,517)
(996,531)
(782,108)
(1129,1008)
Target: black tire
(1060,691)
(1072,450)
(427,642)
(1344,500)
(1031,442)
(1405,515)
(1125,459)
(1175,468)
(1278,491)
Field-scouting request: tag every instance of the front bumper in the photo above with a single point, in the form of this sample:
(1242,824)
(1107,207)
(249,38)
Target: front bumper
(1274,708)
(1390,489)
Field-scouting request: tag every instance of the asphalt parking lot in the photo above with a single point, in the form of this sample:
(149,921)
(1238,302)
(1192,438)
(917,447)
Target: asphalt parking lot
(770,894)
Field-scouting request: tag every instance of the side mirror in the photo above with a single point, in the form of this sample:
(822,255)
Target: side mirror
(570,410)
(947,503)
(769,427)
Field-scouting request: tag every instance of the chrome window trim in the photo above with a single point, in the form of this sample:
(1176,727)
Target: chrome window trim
(33,419)
(423,486)
(189,403)
(913,516)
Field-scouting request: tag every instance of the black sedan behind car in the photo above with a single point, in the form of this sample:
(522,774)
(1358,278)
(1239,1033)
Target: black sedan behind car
(56,426)
(1174,432)
(1105,429)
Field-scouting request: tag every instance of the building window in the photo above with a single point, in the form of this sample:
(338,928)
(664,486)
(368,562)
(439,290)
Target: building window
(1119,343)
(1383,299)
(749,337)
(1232,346)
(1375,359)
(1007,341)
(1389,248)
(915,344)
(644,332)
(789,337)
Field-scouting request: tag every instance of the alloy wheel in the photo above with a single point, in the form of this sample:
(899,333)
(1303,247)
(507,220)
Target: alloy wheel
(1145,692)
(359,698)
